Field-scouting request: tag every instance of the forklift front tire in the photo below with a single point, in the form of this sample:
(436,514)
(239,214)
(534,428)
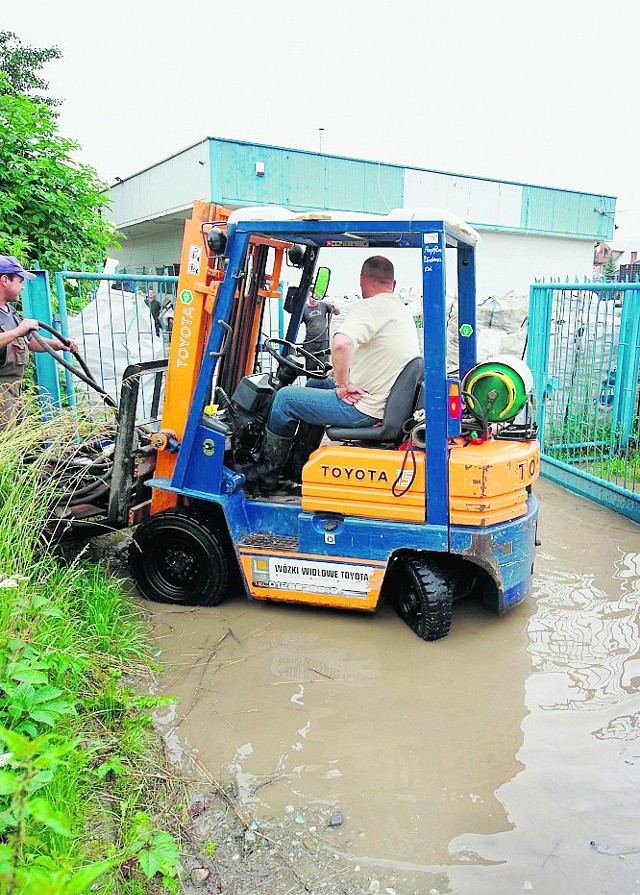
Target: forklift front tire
(423,597)
(178,557)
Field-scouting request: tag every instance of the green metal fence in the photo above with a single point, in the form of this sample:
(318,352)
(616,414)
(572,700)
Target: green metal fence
(584,351)
(117,319)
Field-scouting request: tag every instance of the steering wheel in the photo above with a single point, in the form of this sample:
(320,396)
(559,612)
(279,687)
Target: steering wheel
(272,345)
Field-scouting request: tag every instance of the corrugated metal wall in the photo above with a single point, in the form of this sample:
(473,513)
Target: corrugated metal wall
(559,211)
(225,171)
(477,201)
(301,180)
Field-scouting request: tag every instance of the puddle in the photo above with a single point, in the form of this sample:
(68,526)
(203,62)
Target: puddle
(502,758)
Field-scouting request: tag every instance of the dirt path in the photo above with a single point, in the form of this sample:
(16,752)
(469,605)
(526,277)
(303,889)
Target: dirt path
(502,759)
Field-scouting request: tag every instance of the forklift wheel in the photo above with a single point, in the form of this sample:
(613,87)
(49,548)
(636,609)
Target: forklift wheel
(177,557)
(423,598)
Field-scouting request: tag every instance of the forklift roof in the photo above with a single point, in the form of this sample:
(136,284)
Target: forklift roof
(402,227)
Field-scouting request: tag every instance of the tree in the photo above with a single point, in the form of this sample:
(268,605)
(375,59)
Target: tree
(21,66)
(50,204)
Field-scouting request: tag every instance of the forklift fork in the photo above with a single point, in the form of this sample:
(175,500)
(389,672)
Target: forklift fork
(123,464)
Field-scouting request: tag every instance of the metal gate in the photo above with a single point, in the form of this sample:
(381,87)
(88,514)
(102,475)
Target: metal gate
(118,320)
(584,351)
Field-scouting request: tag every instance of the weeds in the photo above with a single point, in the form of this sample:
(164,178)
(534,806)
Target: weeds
(77,748)
(595,446)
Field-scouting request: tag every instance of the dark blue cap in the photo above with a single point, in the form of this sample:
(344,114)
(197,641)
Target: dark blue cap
(11,265)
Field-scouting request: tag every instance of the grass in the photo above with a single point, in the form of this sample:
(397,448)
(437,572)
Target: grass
(77,748)
(596,449)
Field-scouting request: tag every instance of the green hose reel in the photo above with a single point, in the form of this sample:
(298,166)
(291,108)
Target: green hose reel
(496,391)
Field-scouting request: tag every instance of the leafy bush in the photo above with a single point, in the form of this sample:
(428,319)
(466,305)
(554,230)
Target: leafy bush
(50,205)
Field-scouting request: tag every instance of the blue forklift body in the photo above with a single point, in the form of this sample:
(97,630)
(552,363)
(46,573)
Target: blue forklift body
(505,551)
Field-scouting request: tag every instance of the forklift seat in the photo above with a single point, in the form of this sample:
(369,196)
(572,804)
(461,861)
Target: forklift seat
(399,408)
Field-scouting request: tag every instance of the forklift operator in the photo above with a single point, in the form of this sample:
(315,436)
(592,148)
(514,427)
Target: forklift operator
(374,343)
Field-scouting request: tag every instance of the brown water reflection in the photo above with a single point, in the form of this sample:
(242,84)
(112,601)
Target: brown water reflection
(487,762)
(574,807)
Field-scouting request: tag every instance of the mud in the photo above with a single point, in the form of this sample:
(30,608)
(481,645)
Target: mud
(501,759)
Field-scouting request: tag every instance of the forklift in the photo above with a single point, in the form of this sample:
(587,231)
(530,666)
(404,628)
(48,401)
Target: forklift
(432,505)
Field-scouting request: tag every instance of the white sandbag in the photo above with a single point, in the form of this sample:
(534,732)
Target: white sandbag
(115,330)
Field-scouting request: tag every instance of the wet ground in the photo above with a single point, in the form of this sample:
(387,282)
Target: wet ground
(504,758)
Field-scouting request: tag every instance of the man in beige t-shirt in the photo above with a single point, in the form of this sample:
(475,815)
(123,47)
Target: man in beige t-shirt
(375,342)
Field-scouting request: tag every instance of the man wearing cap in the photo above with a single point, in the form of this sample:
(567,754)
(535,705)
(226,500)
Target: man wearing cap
(16,338)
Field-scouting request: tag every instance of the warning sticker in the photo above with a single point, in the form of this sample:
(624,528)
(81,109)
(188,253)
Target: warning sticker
(195,259)
(311,576)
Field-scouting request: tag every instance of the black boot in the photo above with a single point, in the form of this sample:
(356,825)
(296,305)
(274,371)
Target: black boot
(265,475)
(308,438)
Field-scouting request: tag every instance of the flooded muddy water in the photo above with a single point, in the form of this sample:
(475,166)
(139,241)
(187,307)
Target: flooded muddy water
(502,759)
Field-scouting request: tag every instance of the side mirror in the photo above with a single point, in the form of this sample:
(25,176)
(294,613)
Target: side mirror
(217,241)
(321,284)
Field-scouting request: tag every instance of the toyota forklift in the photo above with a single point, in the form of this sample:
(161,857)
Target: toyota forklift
(433,504)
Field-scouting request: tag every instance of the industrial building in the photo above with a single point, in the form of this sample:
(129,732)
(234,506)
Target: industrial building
(529,233)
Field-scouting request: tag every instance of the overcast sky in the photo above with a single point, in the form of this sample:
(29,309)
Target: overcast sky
(542,93)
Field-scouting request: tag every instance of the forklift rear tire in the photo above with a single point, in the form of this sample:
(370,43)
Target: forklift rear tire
(178,557)
(423,597)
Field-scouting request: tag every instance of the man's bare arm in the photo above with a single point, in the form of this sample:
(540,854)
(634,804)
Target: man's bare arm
(342,349)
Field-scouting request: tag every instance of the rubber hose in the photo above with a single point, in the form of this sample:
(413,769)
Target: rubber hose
(94,467)
(89,498)
(65,341)
(85,378)
(86,489)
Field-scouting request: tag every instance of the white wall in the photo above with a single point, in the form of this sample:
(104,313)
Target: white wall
(345,267)
(158,249)
(474,200)
(511,262)
(505,262)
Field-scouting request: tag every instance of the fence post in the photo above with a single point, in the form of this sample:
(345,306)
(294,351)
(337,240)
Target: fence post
(36,302)
(628,368)
(539,331)
(64,329)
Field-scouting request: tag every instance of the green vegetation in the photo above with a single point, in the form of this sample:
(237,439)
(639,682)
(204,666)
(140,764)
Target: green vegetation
(50,204)
(22,65)
(595,447)
(81,799)
(623,467)
(578,436)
